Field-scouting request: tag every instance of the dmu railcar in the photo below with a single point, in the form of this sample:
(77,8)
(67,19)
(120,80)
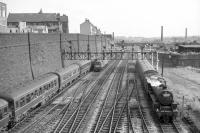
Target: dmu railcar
(155,85)
(17,102)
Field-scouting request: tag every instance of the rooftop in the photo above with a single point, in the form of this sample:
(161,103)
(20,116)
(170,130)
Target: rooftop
(35,17)
(190,46)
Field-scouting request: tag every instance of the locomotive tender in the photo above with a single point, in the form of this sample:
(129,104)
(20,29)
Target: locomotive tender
(17,102)
(155,85)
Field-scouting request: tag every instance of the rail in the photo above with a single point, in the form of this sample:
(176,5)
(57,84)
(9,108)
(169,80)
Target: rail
(79,113)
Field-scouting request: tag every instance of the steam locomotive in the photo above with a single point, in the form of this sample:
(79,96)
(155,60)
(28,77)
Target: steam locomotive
(17,102)
(155,85)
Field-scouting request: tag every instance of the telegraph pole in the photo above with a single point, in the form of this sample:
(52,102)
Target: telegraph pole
(162,64)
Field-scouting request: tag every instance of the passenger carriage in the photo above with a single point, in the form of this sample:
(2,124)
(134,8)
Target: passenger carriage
(84,67)
(24,98)
(68,75)
(4,114)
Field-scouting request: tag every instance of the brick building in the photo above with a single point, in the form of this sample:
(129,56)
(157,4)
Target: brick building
(3,17)
(87,28)
(37,23)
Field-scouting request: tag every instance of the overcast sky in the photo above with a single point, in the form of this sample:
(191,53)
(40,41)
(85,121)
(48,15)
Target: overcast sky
(124,17)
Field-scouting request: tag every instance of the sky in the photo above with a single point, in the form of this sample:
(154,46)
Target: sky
(137,18)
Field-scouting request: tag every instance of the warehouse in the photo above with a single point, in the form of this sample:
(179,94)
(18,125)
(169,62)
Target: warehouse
(189,48)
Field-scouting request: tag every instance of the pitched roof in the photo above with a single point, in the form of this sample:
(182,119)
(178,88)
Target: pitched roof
(34,17)
(190,46)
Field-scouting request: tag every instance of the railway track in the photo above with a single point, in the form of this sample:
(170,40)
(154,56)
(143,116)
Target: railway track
(142,117)
(170,127)
(72,119)
(123,123)
(111,119)
(109,100)
(118,114)
(104,98)
(43,115)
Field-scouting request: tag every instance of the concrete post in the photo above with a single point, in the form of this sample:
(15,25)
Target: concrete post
(30,59)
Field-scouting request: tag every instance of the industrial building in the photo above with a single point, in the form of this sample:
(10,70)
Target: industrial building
(189,48)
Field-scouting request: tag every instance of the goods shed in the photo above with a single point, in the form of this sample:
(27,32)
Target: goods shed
(189,48)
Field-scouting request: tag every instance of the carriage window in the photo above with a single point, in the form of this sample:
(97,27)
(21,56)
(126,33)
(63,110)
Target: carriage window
(1,115)
(46,87)
(52,84)
(28,98)
(22,102)
(36,93)
(40,91)
(17,104)
(49,85)
(32,96)
(5,110)
(55,82)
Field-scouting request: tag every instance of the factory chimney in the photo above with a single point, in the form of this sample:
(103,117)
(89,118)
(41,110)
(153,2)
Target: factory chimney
(161,33)
(185,34)
(113,35)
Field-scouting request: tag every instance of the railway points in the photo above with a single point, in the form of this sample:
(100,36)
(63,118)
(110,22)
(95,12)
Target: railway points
(115,99)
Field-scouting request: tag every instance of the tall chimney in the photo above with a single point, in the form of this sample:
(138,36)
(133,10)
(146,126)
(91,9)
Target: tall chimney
(161,33)
(185,34)
(113,35)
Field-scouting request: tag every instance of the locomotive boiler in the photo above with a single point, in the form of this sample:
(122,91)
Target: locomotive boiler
(156,87)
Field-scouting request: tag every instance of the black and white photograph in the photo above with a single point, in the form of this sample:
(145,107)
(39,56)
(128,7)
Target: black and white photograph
(99,66)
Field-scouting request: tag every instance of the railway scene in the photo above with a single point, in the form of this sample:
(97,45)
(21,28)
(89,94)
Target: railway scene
(99,66)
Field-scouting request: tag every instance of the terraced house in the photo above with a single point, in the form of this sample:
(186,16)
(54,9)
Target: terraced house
(37,23)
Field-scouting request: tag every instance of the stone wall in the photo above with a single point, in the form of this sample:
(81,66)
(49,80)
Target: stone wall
(24,58)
